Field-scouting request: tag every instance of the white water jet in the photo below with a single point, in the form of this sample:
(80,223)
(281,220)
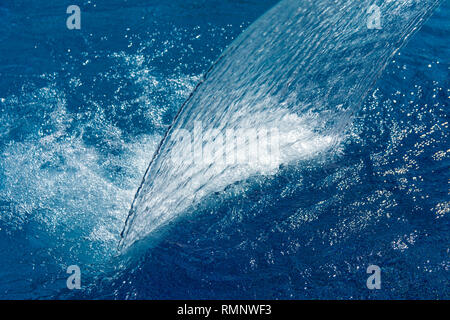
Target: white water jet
(304,65)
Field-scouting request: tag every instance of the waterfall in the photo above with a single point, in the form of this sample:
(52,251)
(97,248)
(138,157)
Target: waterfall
(284,91)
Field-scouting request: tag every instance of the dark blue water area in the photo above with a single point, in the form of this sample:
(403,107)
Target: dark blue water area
(82,112)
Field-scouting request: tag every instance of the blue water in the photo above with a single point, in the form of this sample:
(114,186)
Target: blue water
(82,113)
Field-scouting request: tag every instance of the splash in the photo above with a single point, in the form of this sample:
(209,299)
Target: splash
(306,65)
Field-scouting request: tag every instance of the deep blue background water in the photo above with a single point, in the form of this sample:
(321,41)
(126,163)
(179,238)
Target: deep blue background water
(82,112)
